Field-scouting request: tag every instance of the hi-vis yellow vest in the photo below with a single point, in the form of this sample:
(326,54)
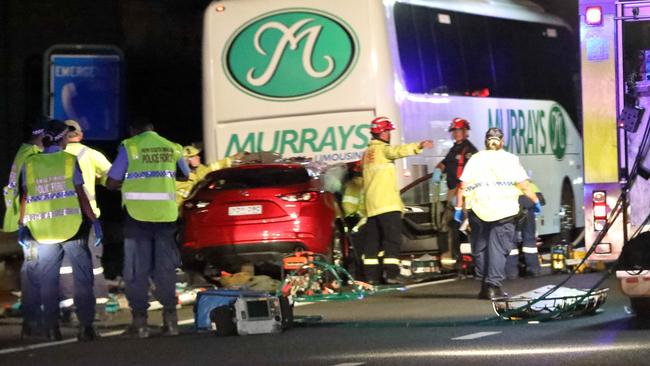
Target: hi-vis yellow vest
(352,201)
(149,187)
(10,192)
(52,211)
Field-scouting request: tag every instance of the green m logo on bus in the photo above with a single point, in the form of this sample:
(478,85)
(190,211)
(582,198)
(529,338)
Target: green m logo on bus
(557,131)
(291,54)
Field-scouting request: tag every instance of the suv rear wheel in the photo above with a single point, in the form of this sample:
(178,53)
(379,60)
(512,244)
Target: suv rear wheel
(641,306)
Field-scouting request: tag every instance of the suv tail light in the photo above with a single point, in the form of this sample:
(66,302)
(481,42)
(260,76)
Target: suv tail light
(309,196)
(599,200)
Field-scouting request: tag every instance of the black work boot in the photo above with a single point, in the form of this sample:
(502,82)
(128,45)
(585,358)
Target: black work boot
(53,334)
(138,327)
(170,323)
(30,330)
(86,333)
(490,292)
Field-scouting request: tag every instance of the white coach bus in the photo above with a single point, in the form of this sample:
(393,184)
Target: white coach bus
(305,78)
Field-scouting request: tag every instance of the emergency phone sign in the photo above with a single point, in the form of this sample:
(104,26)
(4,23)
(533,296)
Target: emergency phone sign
(86,88)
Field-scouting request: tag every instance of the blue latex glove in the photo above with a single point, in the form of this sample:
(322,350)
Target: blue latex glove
(458,215)
(537,209)
(23,237)
(437,176)
(99,234)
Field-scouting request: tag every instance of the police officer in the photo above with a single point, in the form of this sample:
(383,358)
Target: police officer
(383,203)
(12,215)
(145,169)
(94,167)
(198,171)
(32,146)
(51,223)
(490,188)
(453,165)
(527,226)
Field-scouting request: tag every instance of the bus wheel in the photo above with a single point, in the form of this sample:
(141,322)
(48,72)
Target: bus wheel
(640,306)
(567,213)
(567,217)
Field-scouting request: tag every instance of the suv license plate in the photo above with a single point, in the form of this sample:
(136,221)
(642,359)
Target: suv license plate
(244,210)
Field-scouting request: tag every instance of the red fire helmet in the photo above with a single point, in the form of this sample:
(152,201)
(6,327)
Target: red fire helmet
(458,123)
(381,124)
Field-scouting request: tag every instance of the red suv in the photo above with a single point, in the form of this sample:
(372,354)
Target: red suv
(258,213)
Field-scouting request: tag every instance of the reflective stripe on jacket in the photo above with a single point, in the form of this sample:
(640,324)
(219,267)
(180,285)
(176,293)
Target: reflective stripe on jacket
(379,176)
(149,185)
(490,179)
(52,211)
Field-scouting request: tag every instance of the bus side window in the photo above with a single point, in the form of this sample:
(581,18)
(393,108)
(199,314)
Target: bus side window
(468,53)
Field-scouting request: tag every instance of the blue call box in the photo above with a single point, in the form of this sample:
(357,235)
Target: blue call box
(87,89)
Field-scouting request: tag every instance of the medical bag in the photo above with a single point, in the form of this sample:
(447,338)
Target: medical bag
(242,312)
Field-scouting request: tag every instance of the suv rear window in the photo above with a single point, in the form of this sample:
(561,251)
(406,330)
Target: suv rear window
(256,178)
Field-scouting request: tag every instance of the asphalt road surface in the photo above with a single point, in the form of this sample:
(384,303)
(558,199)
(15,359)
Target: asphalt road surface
(434,323)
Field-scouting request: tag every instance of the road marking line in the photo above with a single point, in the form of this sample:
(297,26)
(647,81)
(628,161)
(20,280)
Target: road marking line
(73,340)
(425,354)
(475,336)
(36,346)
(431,283)
(111,334)
(186,321)
(296,304)
(351,364)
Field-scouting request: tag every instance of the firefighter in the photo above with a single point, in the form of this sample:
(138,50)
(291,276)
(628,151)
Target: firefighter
(452,165)
(51,223)
(147,165)
(354,209)
(383,203)
(490,186)
(198,171)
(527,226)
(94,167)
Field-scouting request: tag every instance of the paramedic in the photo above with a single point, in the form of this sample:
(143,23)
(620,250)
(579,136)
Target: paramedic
(94,166)
(490,187)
